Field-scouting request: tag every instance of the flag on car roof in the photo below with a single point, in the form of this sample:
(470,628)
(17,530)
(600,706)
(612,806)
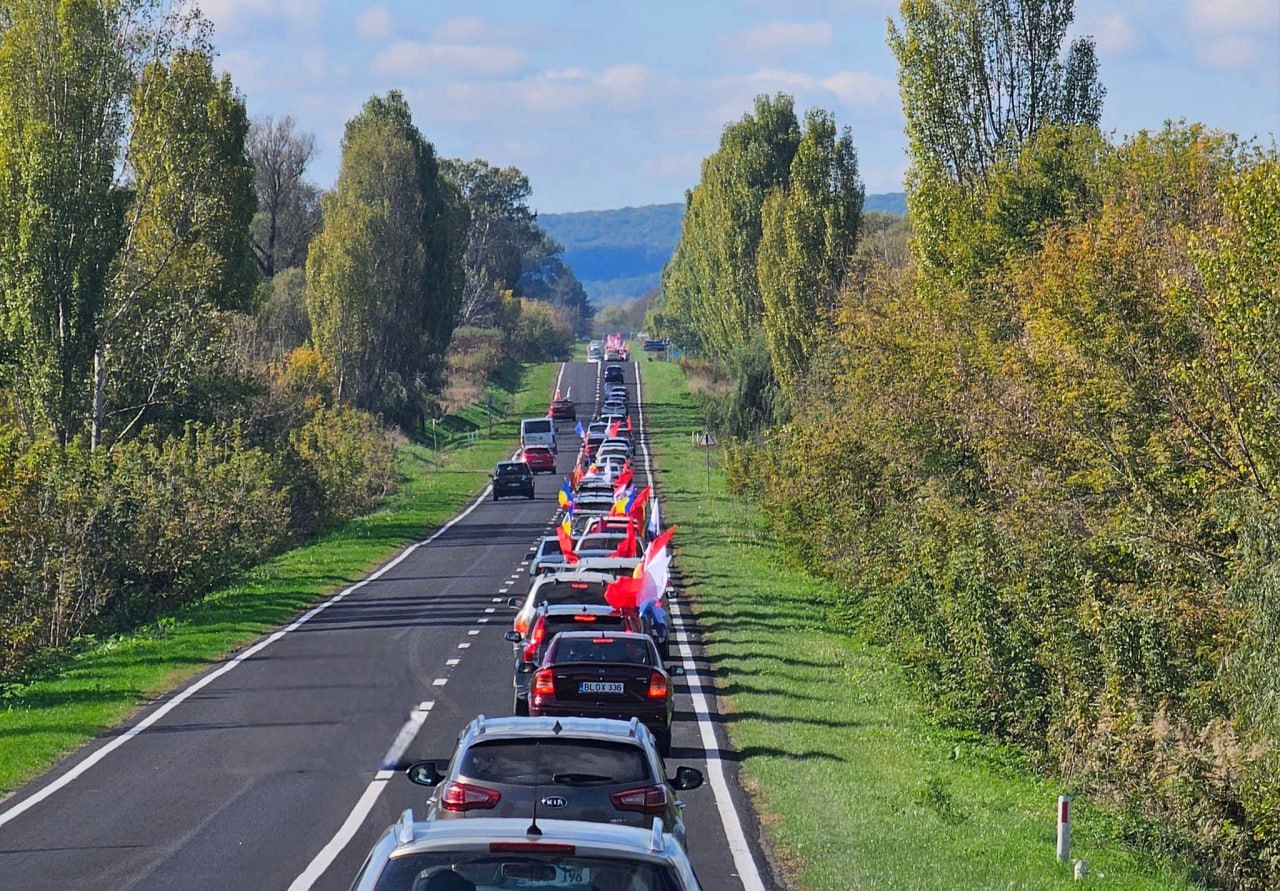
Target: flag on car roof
(613,430)
(564,533)
(621,593)
(627,547)
(566,494)
(582,434)
(623,480)
(637,501)
(654,570)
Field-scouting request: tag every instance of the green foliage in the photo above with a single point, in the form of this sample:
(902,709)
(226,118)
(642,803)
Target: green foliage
(979,78)
(384,276)
(809,230)
(1052,488)
(63,80)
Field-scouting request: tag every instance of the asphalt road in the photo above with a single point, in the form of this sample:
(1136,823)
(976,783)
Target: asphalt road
(273,769)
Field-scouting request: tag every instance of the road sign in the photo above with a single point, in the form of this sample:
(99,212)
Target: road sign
(705,440)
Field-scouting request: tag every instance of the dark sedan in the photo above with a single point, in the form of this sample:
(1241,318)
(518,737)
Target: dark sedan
(512,478)
(606,675)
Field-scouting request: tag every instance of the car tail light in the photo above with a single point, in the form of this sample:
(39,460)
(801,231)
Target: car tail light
(579,586)
(658,688)
(522,625)
(650,800)
(530,848)
(466,797)
(543,684)
(584,617)
(535,640)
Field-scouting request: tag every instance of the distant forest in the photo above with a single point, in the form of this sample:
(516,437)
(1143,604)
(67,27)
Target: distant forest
(618,255)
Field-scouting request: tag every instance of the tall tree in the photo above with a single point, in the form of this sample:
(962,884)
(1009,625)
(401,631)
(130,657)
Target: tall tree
(711,281)
(979,77)
(809,231)
(546,277)
(64,76)
(187,254)
(384,276)
(502,230)
(288,206)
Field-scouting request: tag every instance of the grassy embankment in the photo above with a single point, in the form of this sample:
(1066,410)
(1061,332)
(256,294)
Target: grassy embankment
(856,786)
(98,688)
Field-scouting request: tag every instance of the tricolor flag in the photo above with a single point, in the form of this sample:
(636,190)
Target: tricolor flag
(566,494)
(636,503)
(582,434)
(564,532)
(623,480)
(654,570)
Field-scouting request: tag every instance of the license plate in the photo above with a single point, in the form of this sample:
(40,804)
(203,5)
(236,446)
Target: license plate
(600,687)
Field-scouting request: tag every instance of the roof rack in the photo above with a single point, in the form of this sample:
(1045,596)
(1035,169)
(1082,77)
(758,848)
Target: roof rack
(657,841)
(404,827)
(634,728)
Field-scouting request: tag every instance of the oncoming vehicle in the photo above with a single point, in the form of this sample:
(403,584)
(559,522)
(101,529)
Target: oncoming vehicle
(512,478)
(562,410)
(606,675)
(595,351)
(500,853)
(538,432)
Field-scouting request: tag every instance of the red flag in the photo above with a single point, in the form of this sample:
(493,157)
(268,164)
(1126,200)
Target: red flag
(657,545)
(613,430)
(621,594)
(627,547)
(564,534)
(628,423)
(624,478)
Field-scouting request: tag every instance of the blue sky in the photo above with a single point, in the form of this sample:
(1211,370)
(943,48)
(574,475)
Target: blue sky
(607,104)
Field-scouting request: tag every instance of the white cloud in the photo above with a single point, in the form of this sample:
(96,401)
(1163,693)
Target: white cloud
(685,165)
(248,72)
(409,58)
(462,30)
(1228,52)
(235,15)
(374,23)
(548,92)
(775,39)
(1112,33)
(861,90)
(1233,16)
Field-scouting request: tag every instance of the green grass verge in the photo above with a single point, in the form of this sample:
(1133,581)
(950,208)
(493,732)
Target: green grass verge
(856,786)
(98,688)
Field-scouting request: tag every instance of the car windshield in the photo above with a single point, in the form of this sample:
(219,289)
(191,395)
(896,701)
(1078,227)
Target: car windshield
(558,871)
(534,761)
(632,651)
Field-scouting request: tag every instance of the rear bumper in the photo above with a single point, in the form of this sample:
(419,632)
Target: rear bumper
(656,719)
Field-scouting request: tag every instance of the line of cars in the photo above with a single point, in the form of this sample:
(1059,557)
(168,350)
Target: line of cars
(571,791)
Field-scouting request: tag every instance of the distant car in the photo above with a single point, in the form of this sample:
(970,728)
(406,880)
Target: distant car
(499,852)
(546,556)
(616,392)
(613,374)
(606,675)
(613,407)
(568,586)
(512,478)
(563,410)
(549,620)
(591,443)
(539,458)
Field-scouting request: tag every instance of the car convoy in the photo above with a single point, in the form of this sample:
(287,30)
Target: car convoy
(571,791)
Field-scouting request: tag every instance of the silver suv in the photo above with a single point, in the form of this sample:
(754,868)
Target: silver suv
(518,853)
(593,769)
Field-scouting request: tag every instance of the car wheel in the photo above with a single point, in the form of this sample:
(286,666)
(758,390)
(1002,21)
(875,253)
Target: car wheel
(521,707)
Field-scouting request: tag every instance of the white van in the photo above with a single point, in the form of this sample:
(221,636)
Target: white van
(538,432)
(595,351)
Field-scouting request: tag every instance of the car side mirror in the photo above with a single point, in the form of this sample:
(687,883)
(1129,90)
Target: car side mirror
(515,602)
(527,668)
(424,773)
(531,554)
(676,671)
(687,778)
(512,636)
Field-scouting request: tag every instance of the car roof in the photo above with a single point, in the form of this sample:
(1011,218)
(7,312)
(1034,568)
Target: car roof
(572,575)
(589,635)
(575,609)
(514,727)
(591,839)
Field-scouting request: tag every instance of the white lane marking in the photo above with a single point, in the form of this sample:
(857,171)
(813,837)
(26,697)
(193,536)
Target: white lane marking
(560,376)
(497,599)
(451,662)
(80,769)
(473,632)
(503,590)
(439,682)
(482,620)
(748,872)
(350,826)
(489,609)
(465,645)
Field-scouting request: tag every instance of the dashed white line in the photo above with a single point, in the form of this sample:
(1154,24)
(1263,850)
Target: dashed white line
(451,662)
(465,645)
(482,619)
(473,632)
(489,609)
(439,682)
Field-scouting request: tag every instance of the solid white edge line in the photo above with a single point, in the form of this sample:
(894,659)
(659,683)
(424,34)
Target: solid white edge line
(406,735)
(80,769)
(748,872)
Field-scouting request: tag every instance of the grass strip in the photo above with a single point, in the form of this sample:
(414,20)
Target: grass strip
(98,688)
(855,785)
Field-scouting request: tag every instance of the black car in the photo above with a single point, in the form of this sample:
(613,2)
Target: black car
(613,374)
(512,478)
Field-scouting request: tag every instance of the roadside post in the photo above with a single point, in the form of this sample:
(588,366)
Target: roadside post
(1064,828)
(488,402)
(707,442)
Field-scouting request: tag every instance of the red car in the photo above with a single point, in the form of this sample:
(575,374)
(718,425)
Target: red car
(539,458)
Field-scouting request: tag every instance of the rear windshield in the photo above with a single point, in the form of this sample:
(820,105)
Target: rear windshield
(556,624)
(633,651)
(569,762)
(425,871)
(570,592)
(513,469)
(537,425)
(551,547)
